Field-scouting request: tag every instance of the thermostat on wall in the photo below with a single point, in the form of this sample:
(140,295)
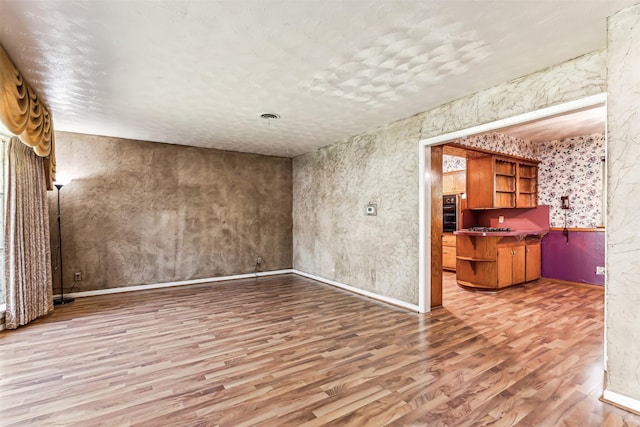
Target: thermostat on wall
(372,210)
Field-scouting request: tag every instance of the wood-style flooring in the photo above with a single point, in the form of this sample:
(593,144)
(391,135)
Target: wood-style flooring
(288,351)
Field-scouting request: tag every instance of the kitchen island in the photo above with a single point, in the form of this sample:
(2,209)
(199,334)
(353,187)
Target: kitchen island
(492,259)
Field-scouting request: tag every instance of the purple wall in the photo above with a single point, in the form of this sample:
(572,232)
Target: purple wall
(575,262)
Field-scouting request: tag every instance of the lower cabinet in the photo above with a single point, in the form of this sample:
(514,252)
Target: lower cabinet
(493,262)
(511,265)
(533,258)
(449,252)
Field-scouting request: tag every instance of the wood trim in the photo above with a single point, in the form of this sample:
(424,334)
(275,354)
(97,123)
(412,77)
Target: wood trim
(436,225)
(577,229)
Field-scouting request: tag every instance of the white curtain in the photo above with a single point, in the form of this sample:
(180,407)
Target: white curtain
(27,270)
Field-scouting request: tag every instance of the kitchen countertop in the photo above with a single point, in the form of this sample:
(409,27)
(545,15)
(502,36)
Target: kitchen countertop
(512,233)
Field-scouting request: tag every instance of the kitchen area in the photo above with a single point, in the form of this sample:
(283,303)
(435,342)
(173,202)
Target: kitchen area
(491,221)
(516,210)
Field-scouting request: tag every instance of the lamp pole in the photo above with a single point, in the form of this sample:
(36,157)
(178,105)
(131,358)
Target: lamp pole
(62,299)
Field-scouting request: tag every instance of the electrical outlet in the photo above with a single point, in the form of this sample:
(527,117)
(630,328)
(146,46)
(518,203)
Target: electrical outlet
(259,260)
(500,219)
(599,270)
(77,276)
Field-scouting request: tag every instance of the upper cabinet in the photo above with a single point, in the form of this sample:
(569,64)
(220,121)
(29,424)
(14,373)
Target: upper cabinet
(501,182)
(527,188)
(454,182)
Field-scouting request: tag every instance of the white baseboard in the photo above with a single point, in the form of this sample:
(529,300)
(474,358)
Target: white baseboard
(372,295)
(625,402)
(375,296)
(169,284)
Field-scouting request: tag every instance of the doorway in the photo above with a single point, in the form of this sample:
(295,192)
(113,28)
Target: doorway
(430,189)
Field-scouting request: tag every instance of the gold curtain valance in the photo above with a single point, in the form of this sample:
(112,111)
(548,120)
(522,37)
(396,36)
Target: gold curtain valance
(22,113)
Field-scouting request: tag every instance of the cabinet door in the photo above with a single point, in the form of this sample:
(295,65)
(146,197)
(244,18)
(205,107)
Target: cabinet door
(449,257)
(532,267)
(518,264)
(454,182)
(505,267)
(480,178)
(447,183)
(460,182)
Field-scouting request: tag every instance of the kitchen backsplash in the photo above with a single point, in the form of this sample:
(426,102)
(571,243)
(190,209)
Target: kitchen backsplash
(572,167)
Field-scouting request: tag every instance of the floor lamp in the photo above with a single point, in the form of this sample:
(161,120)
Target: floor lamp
(61,300)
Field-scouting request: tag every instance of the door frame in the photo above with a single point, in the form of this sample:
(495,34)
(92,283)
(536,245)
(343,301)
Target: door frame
(425,248)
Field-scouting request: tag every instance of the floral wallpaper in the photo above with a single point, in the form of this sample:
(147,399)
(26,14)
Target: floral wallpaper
(502,143)
(572,167)
(569,167)
(453,163)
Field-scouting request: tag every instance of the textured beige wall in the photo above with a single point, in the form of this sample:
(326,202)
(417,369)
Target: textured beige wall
(622,332)
(333,238)
(140,212)
(331,186)
(575,79)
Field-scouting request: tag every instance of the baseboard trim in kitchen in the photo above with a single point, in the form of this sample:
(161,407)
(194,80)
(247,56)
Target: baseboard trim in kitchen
(170,284)
(354,290)
(621,401)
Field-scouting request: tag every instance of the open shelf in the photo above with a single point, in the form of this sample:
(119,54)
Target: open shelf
(466,258)
(495,182)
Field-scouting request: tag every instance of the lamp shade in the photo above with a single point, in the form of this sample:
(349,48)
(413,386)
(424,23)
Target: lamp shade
(61,180)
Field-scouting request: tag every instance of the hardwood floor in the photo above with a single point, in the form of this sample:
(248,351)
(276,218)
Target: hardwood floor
(284,350)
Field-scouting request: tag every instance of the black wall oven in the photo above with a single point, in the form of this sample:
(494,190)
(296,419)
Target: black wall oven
(449,213)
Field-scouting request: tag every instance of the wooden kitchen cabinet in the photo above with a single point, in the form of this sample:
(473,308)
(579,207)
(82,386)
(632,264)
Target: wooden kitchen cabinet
(501,182)
(511,265)
(449,251)
(495,262)
(454,182)
(527,188)
(532,260)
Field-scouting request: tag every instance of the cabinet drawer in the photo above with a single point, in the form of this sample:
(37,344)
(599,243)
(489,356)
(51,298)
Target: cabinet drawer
(449,240)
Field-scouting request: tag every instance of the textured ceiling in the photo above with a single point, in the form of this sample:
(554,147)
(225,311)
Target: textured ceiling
(576,123)
(201,72)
